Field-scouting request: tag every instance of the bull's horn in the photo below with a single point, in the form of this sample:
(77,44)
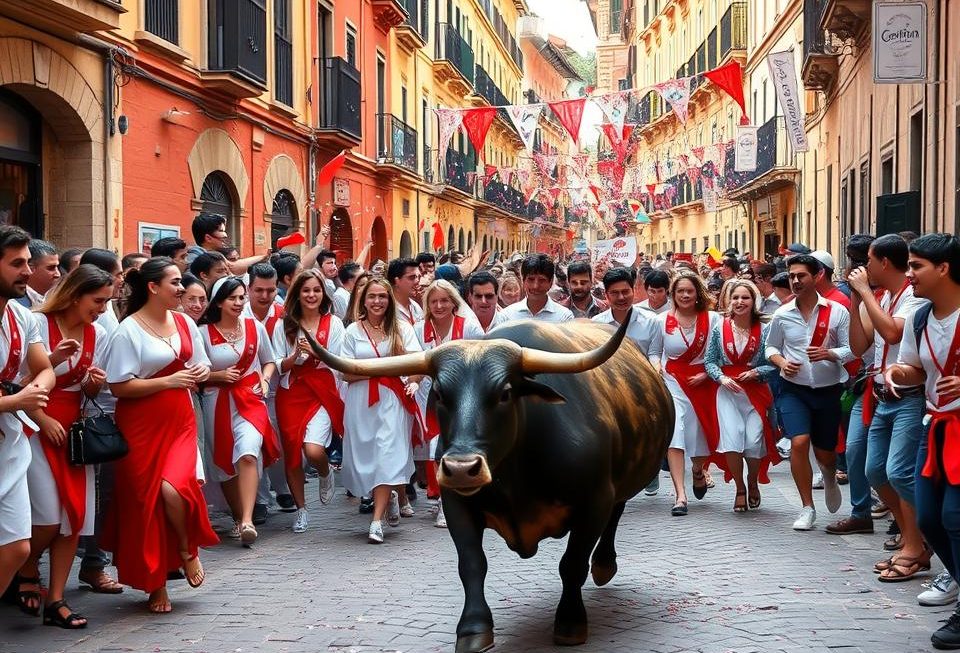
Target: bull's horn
(537,361)
(405,365)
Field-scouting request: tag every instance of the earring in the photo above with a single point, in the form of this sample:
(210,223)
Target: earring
(154,292)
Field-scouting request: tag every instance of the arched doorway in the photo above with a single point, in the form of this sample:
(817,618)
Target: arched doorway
(217,198)
(341,235)
(283,216)
(451,238)
(470,240)
(406,245)
(485,242)
(461,241)
(20,172)
(378,234)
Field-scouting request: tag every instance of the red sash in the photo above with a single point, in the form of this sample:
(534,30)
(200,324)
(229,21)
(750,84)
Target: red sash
(249,405)
(15,355)
(950,421)
(179,363)
(730,346)
(822,329)
(952,363)
(703,397)
(395,385)
(432,423)
(312,387)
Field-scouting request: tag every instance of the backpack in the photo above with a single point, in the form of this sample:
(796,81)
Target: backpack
(920,318)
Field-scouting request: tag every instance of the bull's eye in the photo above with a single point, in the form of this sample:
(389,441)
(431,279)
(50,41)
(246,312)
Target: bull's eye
(507,394)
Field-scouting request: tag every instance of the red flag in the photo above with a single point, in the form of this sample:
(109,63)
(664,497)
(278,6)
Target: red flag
(437,236)
(570,115)
(291,240)
(611,133)
(489,170)
(477,123)
(627,132)
(699,152)
(652,189)
(330,169)
(729,77)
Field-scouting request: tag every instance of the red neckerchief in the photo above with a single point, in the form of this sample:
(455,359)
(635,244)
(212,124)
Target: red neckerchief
(179,363)
(695,348)
(74,373)
(953,358)
(822,329)
(15,356)
(730,343)
(455,334)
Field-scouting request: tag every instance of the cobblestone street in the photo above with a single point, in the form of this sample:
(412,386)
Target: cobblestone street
(713,582)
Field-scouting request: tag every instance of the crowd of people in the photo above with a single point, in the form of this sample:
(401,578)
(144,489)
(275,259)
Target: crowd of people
(199,356)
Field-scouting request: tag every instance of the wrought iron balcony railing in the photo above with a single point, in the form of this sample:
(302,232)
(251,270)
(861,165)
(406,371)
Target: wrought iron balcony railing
(397,142)
(340,109)
(733,29)
(486,87)
(453,48)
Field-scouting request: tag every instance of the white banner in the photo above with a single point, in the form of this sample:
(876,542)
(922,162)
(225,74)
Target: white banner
(745,149)
(622,250)
(710,199)
(783,72)
(899,42)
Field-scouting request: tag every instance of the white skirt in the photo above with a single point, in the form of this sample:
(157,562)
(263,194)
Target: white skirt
(247,440)
(319,429)
(741,429)
(15,511)
(45,503)
(688,435)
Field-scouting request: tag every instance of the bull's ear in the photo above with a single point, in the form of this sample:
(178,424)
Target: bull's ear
(530,388)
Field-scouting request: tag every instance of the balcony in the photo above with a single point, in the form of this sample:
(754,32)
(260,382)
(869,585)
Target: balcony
(733,32)
(237,41)
(846,19)
(455,171)
(340,102)
(487,89)
(67,16)
(820,65)
(397,144)
(412,34)
(776,164)
(453,63)
(388,14)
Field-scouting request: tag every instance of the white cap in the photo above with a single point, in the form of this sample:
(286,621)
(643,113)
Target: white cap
(824,257)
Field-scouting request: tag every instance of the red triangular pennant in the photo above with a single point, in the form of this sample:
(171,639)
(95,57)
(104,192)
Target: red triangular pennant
(729,77)
(477,123)
(570,115)
(330,169)
(437,236)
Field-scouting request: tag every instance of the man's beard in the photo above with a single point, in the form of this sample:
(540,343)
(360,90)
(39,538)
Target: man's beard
(8,291)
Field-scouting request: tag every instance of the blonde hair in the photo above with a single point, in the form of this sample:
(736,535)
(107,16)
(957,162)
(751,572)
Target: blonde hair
(704,301)
(442,285)
(751,287)
(86,279)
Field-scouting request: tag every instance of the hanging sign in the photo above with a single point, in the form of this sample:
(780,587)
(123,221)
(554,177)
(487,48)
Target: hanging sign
(745,148)
(899,42)
(783,72)
(622,250)
(341,192)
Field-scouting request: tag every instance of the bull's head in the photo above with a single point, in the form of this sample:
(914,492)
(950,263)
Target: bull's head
(478,385)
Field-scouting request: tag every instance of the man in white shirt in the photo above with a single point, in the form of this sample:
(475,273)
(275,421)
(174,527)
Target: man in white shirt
(763,275)
(618,285)
(403,275)
(482,292)
(45,266)
(657,286)
(537,273)
(347,274)
(809,341)
(930,356)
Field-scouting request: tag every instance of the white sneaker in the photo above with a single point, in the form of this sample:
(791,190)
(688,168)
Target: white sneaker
(831,490)
(300,525)
(805,521)
(328,487)
(818,481)
(393,510)
(375,536)
(407,511)
(441,521)
(653,487)
(942,590)
(783,448)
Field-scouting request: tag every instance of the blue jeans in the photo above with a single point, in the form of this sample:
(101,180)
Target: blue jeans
(938,510)
(892,443)
(856,463)
(93,557)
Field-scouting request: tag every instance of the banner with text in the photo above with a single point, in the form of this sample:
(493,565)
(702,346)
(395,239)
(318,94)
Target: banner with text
(783,72)
(899,42)
(622,250)
(745,149)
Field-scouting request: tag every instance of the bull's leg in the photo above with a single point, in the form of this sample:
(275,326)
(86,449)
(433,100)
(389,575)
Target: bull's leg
(570,621)
(603,566)
(475,629)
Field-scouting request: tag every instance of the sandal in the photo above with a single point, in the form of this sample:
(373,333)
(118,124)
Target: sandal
(754,498)
(679,509)
(883,565)
(700,490)
(158,605)
(193,570)
(53,617)
(895,543)
(910,566)
(24,597)
(248,535)
(738,505)
(100,582)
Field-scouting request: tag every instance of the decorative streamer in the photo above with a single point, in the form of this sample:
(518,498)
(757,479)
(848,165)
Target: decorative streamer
(570,115)
(677,93)
(729,77)
(614,106)
(477,123)
(450,121)
(525,118)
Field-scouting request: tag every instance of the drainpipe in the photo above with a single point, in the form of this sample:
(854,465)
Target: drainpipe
(934,89)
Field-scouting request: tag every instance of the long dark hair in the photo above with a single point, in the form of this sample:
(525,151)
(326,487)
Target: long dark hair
(214,312)
(138,281)
(293,310)
(84,280)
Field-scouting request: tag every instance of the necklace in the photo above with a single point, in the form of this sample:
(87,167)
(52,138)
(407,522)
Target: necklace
(232,337)
(167,340)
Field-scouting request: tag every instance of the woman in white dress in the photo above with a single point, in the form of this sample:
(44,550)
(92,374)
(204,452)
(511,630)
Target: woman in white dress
(62,496)
(446,317)
(736,359)
(681,348)
(309,406)
(235,414)
(380,411)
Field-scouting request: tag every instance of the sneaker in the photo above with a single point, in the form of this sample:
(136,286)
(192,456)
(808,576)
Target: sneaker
(300,525)
(942,590)
(366,506)
(831,491)
(850,526)
(806,519)
(259,514)
(654,487)
(783,448)
(375,536)
(286,503)
(879,510)
(947,638)
(407,511)
(818,481)
(328,486)
(441,521)
(235,531)
(393,510)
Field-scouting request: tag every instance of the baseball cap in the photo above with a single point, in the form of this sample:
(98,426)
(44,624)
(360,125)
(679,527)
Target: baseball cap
(824,257)
(799,248)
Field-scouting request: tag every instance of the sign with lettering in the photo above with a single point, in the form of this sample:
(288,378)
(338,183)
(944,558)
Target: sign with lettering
(745,149)
(899,42)
(622,250)
(341,192)
(783,72)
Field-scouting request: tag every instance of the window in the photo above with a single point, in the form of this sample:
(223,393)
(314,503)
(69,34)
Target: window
(616,16)
(693,245)
(282,52)
(865,197)
(162,18)
(381,99)
(217,199)
(886,175)
(283,216)
(351,45)
(716,241)
(683,245)
(916,151)
(829,221)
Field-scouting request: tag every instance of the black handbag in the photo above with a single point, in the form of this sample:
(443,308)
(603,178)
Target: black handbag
(96,439)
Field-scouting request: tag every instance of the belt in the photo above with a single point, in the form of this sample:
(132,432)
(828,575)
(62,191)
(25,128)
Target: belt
(881,393)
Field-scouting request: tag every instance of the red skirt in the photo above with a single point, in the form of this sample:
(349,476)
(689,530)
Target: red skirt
(309,391)
(161,430)
(64,406)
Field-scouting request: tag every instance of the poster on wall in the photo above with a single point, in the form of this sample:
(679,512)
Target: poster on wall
(899,42)
(745,149)
(622,250)
(149,233)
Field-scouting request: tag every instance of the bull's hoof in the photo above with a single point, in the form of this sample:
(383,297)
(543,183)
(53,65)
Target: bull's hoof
(475,643)
(569,634)
(603,573)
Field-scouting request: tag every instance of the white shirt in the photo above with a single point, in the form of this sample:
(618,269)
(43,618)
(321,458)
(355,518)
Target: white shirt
(341,300)
(769,305)
(790,335)
(471,331)
(101,340)
(108,319)
(551,312)
(941,337)
(225,355)
(29,335)
(667,305)
(643,328)
(906,304)
(674,345)
(136,354)
(411,317)
(495,322)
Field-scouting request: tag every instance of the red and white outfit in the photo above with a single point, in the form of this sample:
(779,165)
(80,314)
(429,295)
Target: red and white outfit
(61,493)
(235,416)
(309,406)
(161,431)
(411,316)
(18,330)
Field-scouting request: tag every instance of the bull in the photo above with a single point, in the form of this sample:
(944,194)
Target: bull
(540,457)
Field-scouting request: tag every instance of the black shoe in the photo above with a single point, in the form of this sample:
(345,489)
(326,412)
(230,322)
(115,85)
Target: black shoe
(947,638)
(411,492)
(894,528)
(259,514)
(286,503)
(366,506)
(335,458)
